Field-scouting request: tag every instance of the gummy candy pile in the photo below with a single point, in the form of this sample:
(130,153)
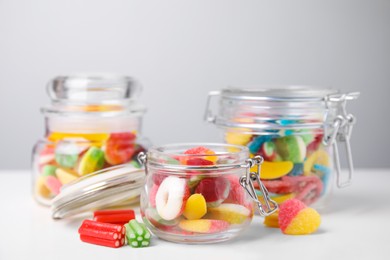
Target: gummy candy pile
(114,228)
(67,156)
(296,164)
(195,202)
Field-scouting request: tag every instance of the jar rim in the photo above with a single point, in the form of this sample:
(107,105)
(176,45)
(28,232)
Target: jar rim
(290,93)
(224,156)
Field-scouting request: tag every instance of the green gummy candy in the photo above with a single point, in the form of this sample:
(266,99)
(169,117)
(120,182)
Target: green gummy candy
(291,148)
(67,160)
(49,170)
(137,234)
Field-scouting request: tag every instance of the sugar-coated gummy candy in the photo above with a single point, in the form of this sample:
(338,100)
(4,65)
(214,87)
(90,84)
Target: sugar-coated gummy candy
(202,151)
(297,219)
(137,234)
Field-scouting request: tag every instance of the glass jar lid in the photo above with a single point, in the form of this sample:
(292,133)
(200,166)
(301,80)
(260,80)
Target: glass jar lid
(269,110)
(106,188)
(93,95)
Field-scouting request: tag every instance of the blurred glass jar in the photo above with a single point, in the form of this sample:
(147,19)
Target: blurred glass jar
(297,130)
(93,123)
(196,193)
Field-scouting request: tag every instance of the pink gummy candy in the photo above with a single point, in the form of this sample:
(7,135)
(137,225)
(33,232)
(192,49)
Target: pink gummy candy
(288,210)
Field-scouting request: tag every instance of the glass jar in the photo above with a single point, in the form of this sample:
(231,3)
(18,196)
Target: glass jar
(196,193)
(93,123)
(297,130)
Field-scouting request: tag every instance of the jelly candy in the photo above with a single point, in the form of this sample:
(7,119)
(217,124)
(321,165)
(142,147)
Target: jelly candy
(204,225)
(103,234)
(306,188)
(65,176)
(318,157)
(53,184)
(214,190)
(171,197)
(297,219)
(119,148)
(291,148)
(137,234)
(195,207)
(49,170)
(202,151)
(232,213)
(272,220)
(156,220)
(275,170)
(237,138)
(91,161)
(255,144)
(114,216)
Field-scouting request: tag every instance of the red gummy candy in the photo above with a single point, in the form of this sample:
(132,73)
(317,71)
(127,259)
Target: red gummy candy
(115,218)
(102,226)
(307,188)
(197,150)
(119,148)
(288,210)
(214,190)
(198,162)
(112,212)
(103,242)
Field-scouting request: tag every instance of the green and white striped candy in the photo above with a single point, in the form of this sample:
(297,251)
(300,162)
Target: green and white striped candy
(137,234)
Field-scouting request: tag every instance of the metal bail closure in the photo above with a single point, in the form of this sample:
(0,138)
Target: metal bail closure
(142,158)
(341,133)
(268,206)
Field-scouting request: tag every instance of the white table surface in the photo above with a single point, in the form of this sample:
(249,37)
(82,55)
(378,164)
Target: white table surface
(355,225)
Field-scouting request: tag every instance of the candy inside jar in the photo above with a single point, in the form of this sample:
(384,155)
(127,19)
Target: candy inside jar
(297,130)
(194,193)
(92,124)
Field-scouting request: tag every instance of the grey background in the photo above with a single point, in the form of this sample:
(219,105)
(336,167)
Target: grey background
(180,50)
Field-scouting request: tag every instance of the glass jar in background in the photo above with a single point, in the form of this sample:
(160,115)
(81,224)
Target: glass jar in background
(297,130)
(200,193)
(93,123)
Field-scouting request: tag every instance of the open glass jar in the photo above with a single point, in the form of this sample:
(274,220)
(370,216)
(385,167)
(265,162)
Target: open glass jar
(200,193)
(93,123)
(297,130)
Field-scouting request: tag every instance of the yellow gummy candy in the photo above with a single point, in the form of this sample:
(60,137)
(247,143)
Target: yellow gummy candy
(232,213)
(318,157)
(65,176)
(305,222)
(41,188)
(237,138)
(95,137)
(196,207)
(273,170)
(272,220)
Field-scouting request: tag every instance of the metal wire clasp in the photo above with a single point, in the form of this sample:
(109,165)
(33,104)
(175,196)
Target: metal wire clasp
(246,181)
(143,158)
(341,133)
